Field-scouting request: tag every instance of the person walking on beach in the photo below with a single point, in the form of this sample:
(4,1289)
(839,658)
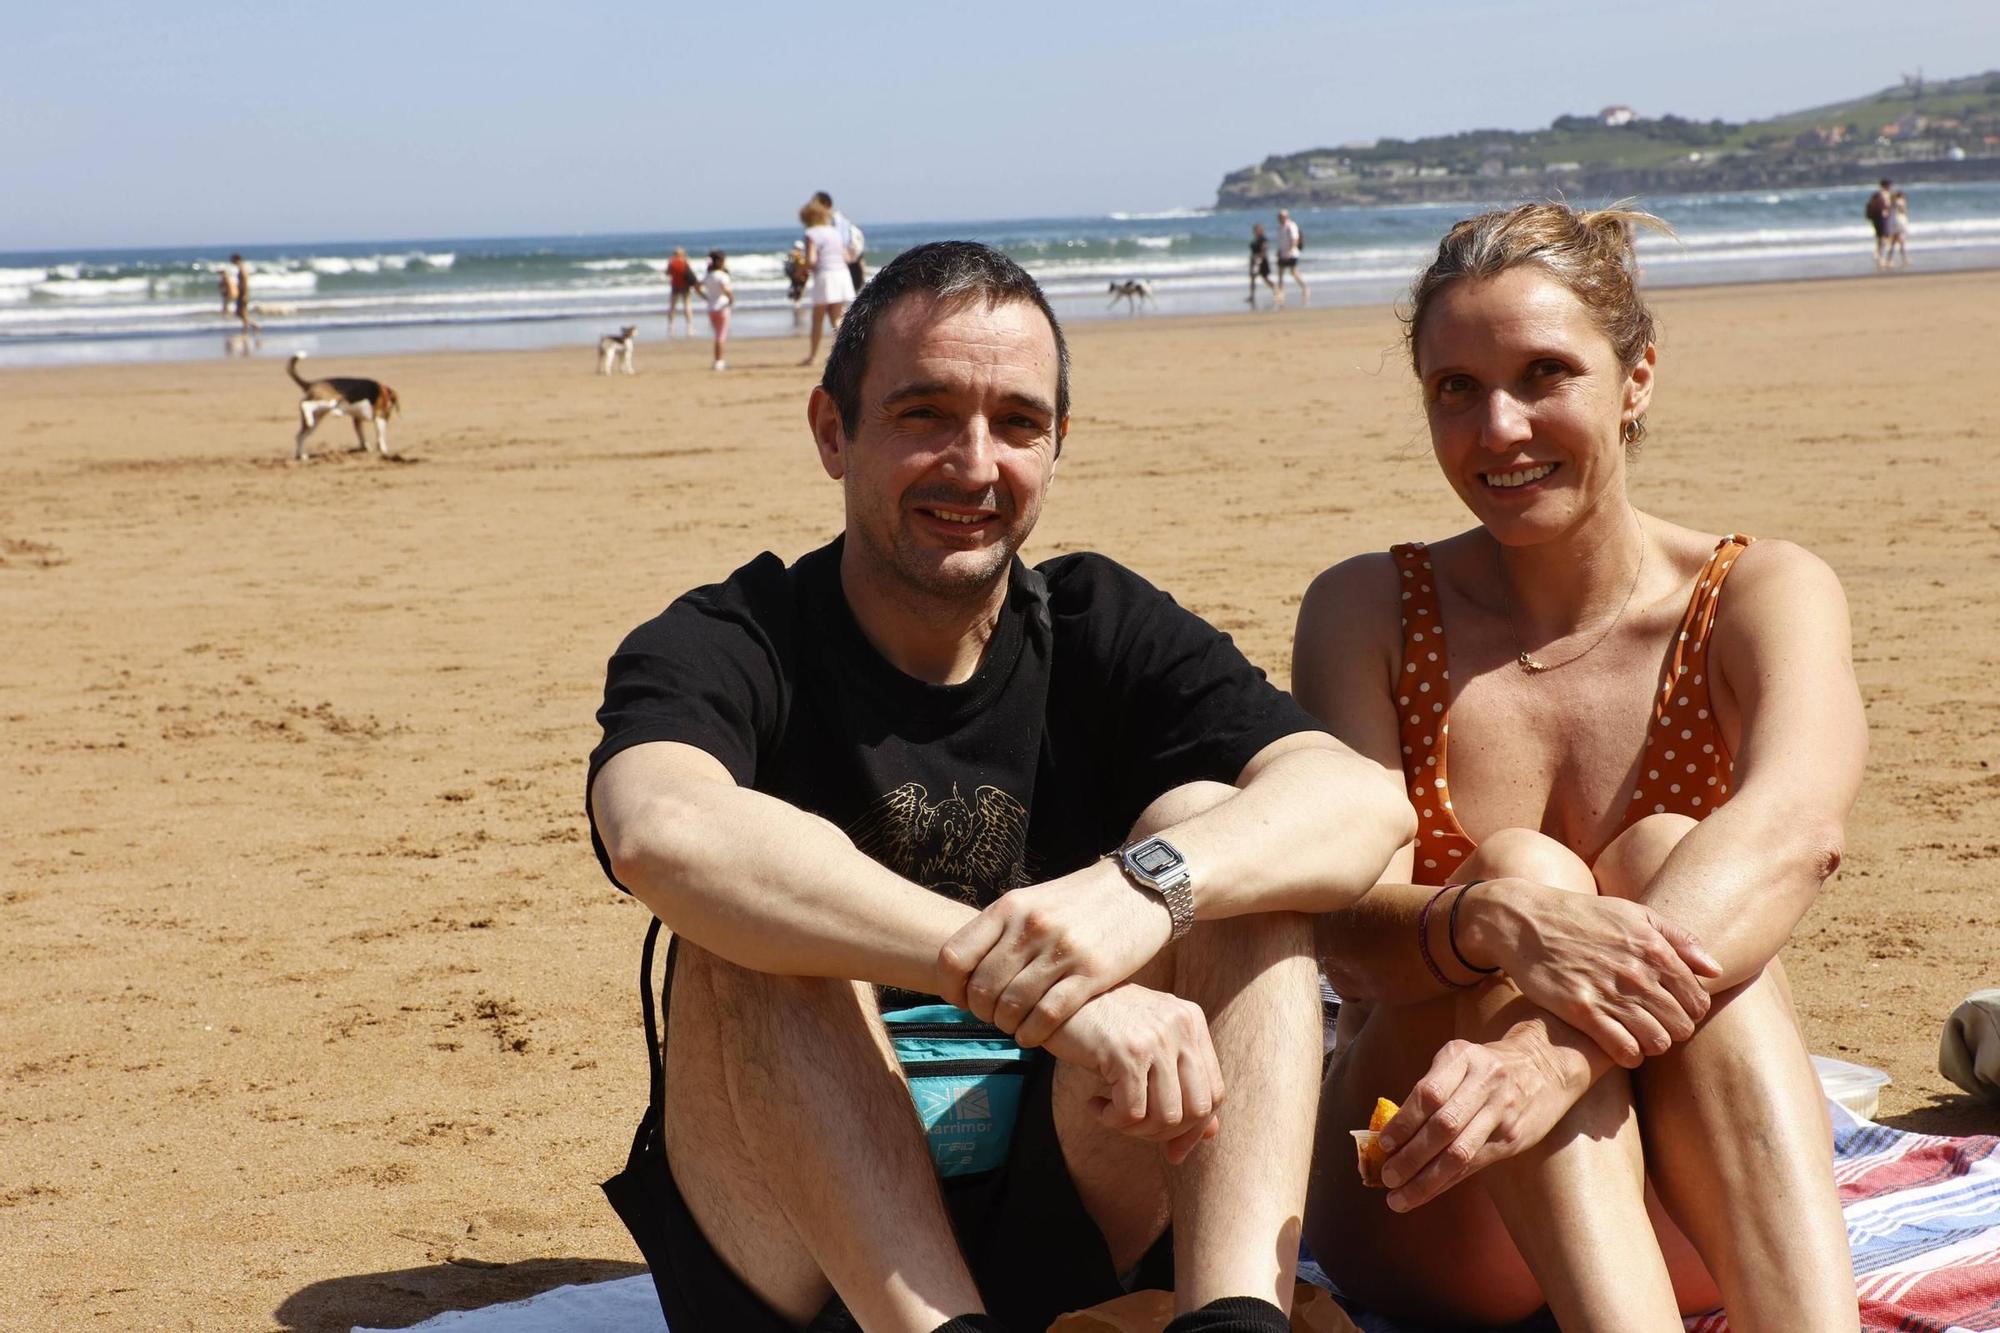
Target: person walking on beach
(236,294)
(1899,228)
(1045,809)
(1290,242)
(680,292)
(832,280)
(720,293)
(1880,204)
(1260,265)
(852,243)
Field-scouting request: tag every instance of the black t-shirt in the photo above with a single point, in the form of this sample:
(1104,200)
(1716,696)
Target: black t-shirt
(1097,693)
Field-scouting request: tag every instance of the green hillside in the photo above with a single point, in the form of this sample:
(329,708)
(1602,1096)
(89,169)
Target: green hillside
(1951,127)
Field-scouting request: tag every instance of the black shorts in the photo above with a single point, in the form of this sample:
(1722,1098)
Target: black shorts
(1031,1245)
(1261,269)
(1285,262)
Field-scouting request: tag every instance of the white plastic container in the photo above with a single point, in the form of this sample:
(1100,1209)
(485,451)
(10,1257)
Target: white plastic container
(1857,1087)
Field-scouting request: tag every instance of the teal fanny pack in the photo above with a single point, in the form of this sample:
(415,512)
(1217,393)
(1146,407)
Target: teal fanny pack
(966,1079)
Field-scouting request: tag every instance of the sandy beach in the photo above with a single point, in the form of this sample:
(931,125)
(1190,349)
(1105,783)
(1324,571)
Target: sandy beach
(314,1007)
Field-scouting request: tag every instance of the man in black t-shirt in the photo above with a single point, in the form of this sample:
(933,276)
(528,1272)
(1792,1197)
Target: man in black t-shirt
(900,763)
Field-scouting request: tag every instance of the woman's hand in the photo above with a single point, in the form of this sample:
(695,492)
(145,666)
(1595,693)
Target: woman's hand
(1478,1105)
(1615,970)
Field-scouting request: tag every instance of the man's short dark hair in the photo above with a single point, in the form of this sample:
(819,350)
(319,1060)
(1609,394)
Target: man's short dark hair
(944,271)
(823,197)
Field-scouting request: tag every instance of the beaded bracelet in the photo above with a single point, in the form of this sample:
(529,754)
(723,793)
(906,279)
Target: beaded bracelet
(1451,931)
(1424,944)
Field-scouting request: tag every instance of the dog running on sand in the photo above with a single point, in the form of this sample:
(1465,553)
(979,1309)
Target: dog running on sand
(1132,292)
(615,347)
(358,400)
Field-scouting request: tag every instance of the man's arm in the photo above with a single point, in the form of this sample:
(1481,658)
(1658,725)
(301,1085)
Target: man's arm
(757,881)
(769,887)
(1309,829)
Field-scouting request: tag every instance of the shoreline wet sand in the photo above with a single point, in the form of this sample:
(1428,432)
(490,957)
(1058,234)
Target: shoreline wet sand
(316,1005)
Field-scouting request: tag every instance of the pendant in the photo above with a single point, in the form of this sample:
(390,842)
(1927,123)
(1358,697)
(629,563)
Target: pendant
(1532,664)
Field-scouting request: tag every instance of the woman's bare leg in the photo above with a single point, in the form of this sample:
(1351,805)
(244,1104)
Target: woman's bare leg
(1564,1223)
(1737,1138)
(819,318)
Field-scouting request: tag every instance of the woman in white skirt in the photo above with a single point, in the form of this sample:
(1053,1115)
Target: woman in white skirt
(826,260)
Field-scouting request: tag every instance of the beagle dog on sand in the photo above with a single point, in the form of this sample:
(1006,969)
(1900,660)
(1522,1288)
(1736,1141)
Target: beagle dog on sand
(1132,292)
(615,347)
(358,400)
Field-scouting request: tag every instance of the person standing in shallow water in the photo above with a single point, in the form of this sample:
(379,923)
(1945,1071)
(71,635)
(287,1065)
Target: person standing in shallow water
(1632,749)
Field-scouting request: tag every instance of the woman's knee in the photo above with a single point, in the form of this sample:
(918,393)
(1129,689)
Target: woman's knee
(1527,854)
(1628,864)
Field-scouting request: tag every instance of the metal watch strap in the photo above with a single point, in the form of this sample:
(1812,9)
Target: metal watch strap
(1177,894)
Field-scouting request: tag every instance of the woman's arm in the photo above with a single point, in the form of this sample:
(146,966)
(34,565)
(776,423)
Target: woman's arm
(1613,970)
(1782,652)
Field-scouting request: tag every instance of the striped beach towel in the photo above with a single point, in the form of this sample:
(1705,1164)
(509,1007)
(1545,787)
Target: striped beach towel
(1923,1216)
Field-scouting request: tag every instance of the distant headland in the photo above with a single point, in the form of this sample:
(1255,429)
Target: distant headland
(1918,130)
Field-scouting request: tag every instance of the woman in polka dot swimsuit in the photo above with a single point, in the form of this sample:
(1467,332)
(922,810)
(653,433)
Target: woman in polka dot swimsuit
(1632,748)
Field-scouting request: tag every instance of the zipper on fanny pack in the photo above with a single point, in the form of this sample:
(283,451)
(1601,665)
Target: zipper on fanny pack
(965,1031)
(960,1068)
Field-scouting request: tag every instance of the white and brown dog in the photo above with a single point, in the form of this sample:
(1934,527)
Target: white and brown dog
(615,347)
(1132,292)
(358,400)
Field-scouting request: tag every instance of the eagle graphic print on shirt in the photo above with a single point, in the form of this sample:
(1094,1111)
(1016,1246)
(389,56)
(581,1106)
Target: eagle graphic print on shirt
(967,848)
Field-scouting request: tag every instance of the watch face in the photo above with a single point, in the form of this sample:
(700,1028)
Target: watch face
(1155,858)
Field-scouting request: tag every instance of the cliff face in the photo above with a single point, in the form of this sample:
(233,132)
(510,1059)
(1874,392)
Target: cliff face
(1919,131)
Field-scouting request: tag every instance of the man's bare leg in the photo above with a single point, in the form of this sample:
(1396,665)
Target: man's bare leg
(793,1140)
(1737,1136)
(1238,1200)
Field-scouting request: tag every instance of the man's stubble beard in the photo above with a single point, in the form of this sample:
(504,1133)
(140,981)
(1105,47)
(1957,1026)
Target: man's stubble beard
(934,591)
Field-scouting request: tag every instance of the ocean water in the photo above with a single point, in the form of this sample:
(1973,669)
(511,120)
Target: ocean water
(346,298)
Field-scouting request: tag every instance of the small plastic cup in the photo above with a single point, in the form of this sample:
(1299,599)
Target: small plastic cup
(1369,1156)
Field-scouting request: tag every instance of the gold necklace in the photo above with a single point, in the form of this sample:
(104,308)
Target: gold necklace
(1533,665)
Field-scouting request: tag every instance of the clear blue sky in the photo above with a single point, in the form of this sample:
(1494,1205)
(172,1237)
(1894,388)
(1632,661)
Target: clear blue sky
(126,123)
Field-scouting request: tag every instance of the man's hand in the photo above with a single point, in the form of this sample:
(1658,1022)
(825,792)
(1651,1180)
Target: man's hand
(1151,1053)
(1478,1105)
(1030,961)
(1616,971)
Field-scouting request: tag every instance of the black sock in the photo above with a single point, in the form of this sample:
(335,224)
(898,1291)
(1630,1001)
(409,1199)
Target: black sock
(971,1323)
(1233,1314)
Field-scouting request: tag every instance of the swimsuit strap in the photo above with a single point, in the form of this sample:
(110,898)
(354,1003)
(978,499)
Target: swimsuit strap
(1423,696)
(1687,767)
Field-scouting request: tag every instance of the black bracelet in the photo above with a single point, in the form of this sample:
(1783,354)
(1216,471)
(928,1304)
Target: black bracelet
(1451,930)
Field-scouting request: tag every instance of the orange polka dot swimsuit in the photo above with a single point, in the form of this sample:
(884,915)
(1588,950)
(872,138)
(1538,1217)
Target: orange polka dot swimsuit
(1687,764)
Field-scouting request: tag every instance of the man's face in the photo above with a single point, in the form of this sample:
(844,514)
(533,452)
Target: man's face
(954,446)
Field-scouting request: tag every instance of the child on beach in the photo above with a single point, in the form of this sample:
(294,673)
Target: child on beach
(720,293)
(1898,252)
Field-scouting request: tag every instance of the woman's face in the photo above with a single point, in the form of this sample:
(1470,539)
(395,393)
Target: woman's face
(1527,402)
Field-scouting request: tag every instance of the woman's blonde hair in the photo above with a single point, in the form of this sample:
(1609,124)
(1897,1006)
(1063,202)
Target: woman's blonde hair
(1588,251)
(815,214)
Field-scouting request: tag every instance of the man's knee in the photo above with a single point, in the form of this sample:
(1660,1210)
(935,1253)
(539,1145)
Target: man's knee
(1180,804)
(740,1003)
(1527,854)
